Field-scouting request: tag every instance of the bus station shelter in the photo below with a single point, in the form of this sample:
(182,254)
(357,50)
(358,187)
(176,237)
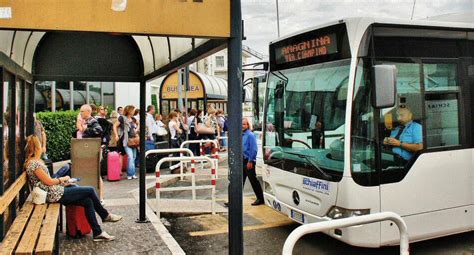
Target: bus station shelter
(121,41)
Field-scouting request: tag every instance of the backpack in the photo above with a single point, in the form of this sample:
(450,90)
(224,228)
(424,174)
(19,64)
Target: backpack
(106,130)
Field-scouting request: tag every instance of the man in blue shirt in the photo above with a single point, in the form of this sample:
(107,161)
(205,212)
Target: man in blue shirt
(407,138)
(249,149)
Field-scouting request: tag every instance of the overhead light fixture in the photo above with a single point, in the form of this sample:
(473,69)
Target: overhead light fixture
(119,5)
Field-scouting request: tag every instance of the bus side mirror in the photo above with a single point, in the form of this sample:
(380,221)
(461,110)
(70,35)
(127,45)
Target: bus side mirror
(385,89)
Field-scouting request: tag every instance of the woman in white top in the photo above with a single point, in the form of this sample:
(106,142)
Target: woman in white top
(175,131)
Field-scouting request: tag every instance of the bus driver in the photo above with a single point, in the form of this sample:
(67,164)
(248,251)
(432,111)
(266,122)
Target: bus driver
(407,138)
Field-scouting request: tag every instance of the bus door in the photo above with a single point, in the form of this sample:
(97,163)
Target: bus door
(434,184)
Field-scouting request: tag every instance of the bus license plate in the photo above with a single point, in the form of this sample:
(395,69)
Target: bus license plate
(297,216)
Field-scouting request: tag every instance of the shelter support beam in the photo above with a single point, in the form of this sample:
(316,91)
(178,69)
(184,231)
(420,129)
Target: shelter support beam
(142,210)
(234,95)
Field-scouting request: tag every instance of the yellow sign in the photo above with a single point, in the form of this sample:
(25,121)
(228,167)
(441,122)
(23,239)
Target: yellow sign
(169,88)
(204,18)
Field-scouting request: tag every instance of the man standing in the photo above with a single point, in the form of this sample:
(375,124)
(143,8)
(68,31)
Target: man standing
(249,149)
(150,123)
(120,110)
(90,127)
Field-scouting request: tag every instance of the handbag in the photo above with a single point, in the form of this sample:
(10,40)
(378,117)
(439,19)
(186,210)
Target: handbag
(38,196)
(162,131)
(133,142)
(205,130)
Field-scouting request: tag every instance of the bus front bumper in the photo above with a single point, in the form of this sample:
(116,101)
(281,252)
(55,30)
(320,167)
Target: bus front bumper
(362,235)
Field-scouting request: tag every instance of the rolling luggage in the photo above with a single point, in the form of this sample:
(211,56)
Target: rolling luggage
(124,163)
(113,166)
(76,222)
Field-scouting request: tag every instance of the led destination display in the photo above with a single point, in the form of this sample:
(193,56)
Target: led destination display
(310,48)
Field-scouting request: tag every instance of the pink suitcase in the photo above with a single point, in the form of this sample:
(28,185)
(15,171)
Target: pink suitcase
(113,166)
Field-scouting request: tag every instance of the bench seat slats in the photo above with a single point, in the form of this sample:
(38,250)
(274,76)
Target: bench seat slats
(48,232)
(28,242)
(13,236)
(12,192)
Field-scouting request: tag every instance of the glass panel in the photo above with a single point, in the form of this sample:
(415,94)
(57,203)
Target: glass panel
(79,94)
(108,93)
(440,77)
(401,125)
(442,120)
(305,119)
(19,108)
(63,96)
(362,131)
(94,93)
(6,122)
(43,96)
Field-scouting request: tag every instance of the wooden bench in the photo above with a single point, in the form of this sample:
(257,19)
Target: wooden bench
(35,229)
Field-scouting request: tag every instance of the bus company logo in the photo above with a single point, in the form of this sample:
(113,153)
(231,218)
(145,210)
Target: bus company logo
(316,185)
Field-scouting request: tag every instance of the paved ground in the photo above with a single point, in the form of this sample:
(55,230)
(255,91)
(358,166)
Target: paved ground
(265,231)
(132,238)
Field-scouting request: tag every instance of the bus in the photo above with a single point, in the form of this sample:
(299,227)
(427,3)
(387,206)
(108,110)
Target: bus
(336,93)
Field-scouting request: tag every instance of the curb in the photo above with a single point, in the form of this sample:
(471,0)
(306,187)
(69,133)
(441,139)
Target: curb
(164,234)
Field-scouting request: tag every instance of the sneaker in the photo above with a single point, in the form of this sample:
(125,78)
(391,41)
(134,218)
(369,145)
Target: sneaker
(112,218)
(129,177)
(103,237)
(134,177)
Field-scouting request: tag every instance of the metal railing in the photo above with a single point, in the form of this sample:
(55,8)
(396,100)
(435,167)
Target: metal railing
(193,186)
(214,156)
(348,222)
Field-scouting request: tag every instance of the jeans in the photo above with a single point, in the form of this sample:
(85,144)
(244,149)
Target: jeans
(85,196)
(132,155)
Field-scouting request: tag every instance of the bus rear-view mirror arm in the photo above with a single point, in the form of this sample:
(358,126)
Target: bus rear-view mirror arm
(384,86)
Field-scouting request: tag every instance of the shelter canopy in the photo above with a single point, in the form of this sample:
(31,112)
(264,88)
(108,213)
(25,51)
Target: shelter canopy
(168,33)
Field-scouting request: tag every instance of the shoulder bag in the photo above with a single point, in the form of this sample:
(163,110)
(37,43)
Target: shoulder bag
(204,130)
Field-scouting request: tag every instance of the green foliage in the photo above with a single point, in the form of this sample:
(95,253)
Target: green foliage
(59,127)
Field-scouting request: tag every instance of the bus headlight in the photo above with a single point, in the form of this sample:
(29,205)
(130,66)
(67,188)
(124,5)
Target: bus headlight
(339,212)
(268,188)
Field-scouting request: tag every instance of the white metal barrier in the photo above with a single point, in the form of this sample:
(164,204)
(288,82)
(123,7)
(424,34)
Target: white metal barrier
(193,188)
(175,150)
(348,222)
(214,156)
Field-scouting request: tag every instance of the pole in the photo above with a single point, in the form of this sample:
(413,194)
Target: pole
(236,245)
(186,89)
(278,19)
(142,217)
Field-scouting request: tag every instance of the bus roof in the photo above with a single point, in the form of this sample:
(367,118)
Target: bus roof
(360,24)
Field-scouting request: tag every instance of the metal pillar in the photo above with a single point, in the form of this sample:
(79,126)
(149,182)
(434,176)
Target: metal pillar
(53,96)
(71,91)
(142,213)
(236,245)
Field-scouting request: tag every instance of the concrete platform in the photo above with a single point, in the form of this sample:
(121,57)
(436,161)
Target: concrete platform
(185,206)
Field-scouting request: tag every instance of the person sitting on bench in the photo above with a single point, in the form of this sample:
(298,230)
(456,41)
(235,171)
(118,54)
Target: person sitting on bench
(62,191)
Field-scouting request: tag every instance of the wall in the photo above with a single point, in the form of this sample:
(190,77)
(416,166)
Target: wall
(128,93)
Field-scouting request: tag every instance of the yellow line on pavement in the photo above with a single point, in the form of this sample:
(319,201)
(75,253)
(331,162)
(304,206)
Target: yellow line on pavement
(246,228)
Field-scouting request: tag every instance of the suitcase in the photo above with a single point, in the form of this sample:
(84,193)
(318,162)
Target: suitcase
(113,166)
(152,160)
(124,163)
(76,221)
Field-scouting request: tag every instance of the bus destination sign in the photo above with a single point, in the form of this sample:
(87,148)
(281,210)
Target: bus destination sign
(316,46)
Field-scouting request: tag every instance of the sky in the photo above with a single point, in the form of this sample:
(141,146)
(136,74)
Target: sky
(261,22)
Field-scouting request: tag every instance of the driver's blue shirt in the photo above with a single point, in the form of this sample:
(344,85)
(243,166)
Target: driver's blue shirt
(412,133)
(249,146)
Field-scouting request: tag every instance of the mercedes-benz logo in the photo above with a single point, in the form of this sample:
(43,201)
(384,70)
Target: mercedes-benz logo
(296,198)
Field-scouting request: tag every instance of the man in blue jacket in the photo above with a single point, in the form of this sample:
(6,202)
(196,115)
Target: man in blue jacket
(249,149)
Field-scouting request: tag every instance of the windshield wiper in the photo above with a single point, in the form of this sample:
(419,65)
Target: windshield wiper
(313,163)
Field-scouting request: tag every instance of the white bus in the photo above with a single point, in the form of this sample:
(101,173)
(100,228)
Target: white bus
(332,97)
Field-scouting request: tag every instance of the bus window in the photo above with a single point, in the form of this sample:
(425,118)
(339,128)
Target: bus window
(441,105)
(362,131)
(406,119)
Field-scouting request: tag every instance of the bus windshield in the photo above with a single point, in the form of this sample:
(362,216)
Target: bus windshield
(305,114)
